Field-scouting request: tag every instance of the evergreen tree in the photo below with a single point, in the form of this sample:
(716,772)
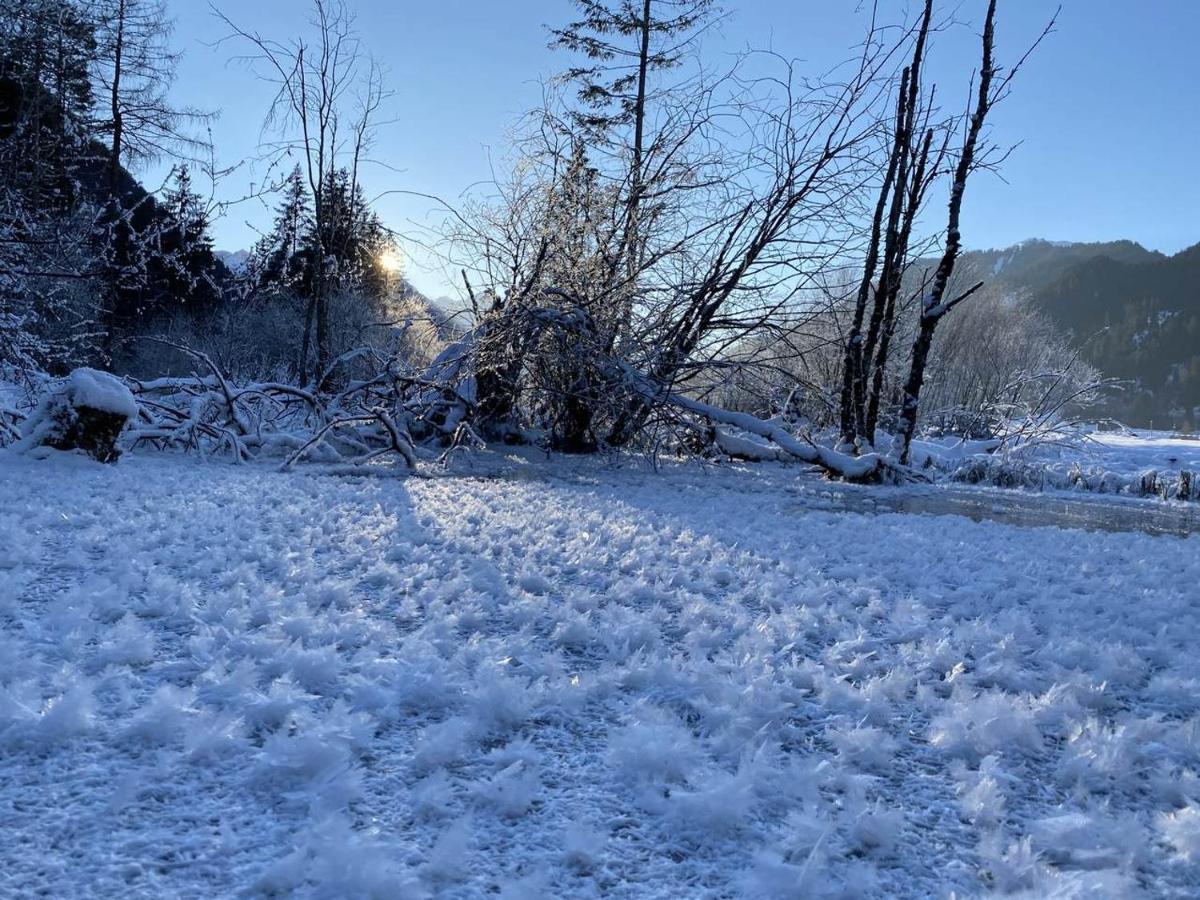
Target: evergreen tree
(351,234)
(46,51)
(278,259)
(183,267)
(626,42)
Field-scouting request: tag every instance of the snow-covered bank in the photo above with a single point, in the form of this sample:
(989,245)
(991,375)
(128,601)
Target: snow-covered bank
(217,680)
(1135,451)
(1143,464)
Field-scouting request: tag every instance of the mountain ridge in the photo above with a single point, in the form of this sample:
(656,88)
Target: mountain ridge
(1132,312)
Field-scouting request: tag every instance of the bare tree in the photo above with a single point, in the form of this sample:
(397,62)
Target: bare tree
(749,192)
(329,94)
(936,303)
(757,196)
(135,68)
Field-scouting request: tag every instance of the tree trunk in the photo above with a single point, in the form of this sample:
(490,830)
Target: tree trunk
(933,306)
(639,136)
(853,361)
(118,132)
(310,312)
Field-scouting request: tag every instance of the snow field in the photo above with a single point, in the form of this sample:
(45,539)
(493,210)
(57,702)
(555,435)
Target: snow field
(579,682)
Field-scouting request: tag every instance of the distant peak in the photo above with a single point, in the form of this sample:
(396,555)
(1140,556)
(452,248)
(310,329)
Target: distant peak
(234,260)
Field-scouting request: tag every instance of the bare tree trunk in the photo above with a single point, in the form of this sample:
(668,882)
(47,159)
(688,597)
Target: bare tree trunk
(310,312)
(880,366)
(915,195)
(639,136)
(852,360)
(118,126)
(902,187)
(933,306)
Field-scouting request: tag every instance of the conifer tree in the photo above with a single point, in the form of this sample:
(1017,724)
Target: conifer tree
(278,259)
(183,265)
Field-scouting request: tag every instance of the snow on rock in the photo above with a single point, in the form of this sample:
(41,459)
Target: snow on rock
(579,682)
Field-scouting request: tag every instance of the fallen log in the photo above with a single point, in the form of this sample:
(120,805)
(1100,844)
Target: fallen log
(870,467)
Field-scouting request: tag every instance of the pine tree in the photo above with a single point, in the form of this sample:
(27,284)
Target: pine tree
(183,267)
(278,261)
(351,234)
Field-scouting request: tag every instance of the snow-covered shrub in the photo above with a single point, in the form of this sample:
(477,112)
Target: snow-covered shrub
(86,411)
(12,411)
(1002,472)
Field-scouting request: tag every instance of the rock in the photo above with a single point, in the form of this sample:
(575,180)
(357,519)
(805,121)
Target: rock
(86,411)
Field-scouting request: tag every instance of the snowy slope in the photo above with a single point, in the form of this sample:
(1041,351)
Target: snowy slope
(579,682)
(1143,450)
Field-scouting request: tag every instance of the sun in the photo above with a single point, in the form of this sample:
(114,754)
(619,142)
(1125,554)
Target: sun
(391,261)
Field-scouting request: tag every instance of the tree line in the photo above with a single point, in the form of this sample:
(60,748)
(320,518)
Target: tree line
(675,254)
(90,259)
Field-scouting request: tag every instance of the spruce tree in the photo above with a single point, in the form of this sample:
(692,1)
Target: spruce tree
(626,42)
(352,235)
(278,262)
(183,267)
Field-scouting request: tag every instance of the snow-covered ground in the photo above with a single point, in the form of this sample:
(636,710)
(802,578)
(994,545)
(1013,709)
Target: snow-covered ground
(1118,452)
(579,681)
(1140,450)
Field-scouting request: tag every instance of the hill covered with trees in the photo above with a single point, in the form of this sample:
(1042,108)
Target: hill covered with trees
(1132,312)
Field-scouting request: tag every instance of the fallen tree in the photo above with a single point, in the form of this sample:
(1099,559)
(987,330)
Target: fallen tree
(392,411)
(869,467)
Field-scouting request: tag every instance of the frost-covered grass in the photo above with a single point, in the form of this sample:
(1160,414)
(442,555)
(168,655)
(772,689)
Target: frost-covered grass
(579,682)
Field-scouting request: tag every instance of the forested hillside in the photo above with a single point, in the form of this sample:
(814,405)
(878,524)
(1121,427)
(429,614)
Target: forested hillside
(1133,313)
(100,270)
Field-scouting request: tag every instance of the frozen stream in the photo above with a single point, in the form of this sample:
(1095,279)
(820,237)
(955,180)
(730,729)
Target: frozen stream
(1057,510)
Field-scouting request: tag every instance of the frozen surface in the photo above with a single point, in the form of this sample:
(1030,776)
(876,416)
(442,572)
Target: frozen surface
(579,682)
(1124,453)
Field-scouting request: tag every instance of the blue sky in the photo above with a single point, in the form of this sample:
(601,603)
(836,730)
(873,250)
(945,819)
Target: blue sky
(1106,111)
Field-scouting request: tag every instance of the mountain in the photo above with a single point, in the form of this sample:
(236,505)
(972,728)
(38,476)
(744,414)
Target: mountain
(1134,313)
(234,260)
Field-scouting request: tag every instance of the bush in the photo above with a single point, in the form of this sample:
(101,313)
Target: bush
(86,411)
